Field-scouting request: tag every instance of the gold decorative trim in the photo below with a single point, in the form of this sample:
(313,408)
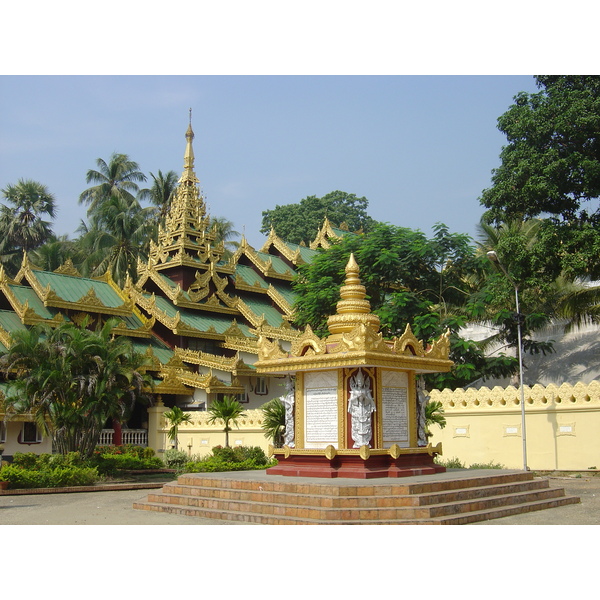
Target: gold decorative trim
(307,344)
(397,451)
(68,268)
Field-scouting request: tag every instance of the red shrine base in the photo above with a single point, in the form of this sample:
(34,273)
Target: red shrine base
(355,467)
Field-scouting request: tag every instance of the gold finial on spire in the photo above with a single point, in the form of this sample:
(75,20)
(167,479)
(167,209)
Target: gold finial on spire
(188,157)
(353,308)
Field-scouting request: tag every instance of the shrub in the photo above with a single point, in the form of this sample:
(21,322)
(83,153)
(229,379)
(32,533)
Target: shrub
(253,453)
(223,453)
(451,463)
(210,465)
(175,459)
(109,464)
(26,460)
(20,477)
(240,458)
(139,451)
(490,465)
(37,462)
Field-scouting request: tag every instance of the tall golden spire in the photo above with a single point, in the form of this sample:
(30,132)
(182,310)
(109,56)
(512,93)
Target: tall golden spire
(186,236)
(353,309)
(188,175)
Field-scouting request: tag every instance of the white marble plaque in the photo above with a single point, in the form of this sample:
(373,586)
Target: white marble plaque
(394,402)
(321,409)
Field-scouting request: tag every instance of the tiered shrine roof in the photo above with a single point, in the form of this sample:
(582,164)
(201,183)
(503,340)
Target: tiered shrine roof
(189,289)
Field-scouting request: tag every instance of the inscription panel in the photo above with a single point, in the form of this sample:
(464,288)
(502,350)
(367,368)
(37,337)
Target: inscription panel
(394,405)
(321,409)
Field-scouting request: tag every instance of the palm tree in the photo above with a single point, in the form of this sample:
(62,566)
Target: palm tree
(117,178)
(228,410)
(22,219)
(161,193)
(117,236)
(224,232)
(434,415)
(54,253)
(176,417)
(273,422)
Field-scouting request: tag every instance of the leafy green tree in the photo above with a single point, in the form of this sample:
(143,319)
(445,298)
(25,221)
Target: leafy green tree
(550,168)
(228,410)
(301,222)
(176,418)
(117,178)
(409,279)
(73,380)
(23,224)
(522,257)
(273,422)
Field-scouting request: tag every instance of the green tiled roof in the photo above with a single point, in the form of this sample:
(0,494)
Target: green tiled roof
(306,253)
(279,266)
(342,232)
(286,292)
(202,321)
(72,289)
(250,276)
(159,348)
(9,321)
(26,294)
(131,321)
(263,307)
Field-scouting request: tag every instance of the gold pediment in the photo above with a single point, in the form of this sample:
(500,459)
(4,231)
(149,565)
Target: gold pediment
(440,348)
(269,350)
(308,342)
(408,344)
(361,339)
(68,268)
(234,330)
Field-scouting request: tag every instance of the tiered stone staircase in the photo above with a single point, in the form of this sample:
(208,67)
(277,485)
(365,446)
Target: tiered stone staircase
(453,498)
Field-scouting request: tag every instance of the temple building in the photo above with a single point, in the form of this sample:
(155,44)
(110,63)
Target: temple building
(196,310)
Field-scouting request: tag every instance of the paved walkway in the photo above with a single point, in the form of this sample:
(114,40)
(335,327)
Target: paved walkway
(115,508)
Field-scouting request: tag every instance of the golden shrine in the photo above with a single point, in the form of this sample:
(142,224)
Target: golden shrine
(355,410)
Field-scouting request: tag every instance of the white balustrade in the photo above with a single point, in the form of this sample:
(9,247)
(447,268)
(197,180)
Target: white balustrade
(134,437)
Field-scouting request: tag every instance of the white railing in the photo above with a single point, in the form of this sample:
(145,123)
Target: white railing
(135,437)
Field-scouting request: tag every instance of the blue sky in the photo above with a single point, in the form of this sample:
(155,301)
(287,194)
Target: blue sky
(419,148)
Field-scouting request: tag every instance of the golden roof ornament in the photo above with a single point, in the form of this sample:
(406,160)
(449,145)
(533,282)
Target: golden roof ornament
(353,309)
(354,340)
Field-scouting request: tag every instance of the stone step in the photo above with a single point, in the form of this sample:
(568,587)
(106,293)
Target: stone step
(336,501)
(483,491)
(263,519)
(455,499)
(368,489)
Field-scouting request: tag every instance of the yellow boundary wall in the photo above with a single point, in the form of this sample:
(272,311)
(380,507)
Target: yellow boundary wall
(199,437)
(562,426)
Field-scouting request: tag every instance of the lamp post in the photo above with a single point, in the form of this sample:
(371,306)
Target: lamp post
(494,258)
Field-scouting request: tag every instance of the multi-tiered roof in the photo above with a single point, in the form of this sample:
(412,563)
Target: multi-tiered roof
(196,309)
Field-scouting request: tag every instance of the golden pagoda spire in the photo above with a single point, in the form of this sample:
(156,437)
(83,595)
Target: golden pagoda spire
(353,309)
(186,234)
(188,174)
